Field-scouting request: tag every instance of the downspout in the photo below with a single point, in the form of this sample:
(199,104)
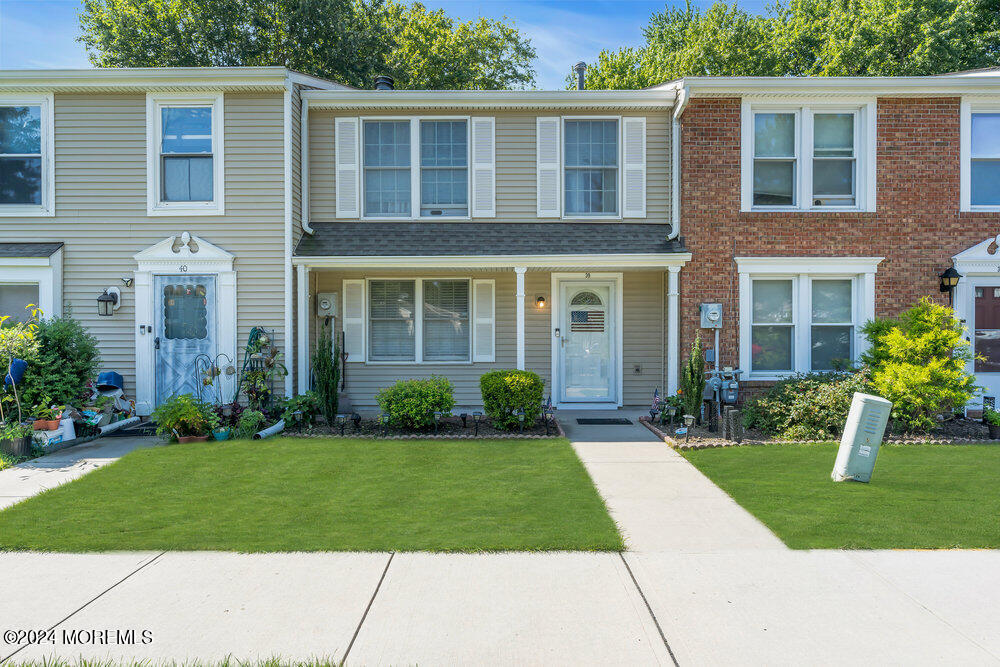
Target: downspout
(304,165)
(288,336)
(675,164)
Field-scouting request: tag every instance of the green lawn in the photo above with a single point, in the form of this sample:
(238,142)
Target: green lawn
(290,494)
(920,496)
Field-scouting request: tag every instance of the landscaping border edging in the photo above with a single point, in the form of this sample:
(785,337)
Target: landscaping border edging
(559,433)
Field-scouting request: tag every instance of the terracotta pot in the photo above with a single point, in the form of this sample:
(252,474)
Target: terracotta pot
(46,424)
(184,439)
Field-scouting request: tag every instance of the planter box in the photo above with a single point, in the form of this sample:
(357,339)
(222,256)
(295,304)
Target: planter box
(16,446)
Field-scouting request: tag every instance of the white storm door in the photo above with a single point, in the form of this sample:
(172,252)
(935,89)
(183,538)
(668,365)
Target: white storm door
(587,342)
(985,327)
(185,314)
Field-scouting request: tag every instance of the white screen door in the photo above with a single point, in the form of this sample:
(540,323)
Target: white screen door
(587,341)
(986,340)
(185,312)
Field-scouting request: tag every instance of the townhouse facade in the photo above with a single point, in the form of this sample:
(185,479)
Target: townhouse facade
(572,233)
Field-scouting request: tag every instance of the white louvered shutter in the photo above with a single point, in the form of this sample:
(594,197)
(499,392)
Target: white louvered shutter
(348,158)
(354,319)
(484,320)
(547,142)
(634,158)
(484,167)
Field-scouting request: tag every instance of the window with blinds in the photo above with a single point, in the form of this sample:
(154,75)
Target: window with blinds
(391,323)
(424,320)
(446,320)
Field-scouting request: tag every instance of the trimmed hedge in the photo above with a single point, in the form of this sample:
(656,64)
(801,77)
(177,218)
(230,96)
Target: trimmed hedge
(412,403)
(508,390)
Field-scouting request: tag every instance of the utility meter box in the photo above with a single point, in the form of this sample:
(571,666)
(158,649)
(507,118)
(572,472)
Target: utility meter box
(326,304)
(711,316)
(862,436)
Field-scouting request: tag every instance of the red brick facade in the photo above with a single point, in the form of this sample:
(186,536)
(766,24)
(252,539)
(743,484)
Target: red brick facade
(917,225)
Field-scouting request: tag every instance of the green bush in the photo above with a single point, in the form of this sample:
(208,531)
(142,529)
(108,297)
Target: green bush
(66,361)
(250,422)
(918,362)
(506,391)
(692,390)
(326,371)
(184,415)
(806,407)
(301,411)
(411,403)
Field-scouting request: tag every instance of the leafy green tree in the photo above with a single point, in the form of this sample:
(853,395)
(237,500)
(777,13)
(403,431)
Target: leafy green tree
(349,41)
(808,38)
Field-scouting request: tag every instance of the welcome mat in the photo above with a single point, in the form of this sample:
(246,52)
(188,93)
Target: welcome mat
(603,421)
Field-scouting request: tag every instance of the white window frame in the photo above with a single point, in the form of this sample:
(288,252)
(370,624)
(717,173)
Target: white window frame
(418,322)
(46,272)
(48,206)
(415,168)
(155,206)
(802,271)
(969,107)
(562,171)
(864,150)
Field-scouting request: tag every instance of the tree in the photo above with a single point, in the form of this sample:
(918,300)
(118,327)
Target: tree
(808,38)
(349,41)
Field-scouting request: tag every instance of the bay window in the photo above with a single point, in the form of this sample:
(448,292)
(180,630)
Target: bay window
(26,182)
(418,320)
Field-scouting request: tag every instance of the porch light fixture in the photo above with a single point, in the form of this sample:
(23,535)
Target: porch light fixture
(949,280)
(109,302)
(540,301)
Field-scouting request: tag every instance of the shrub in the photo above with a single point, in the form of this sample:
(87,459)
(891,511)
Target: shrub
(184,415)
(412,403)
(250,422)
(693,380)
(806,407)
(67,360)
(300,411)
(991,416)
(326,370)
(17,341)
(919,363)
(506,391)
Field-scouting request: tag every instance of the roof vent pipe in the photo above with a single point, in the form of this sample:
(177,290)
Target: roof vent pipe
(384,82)
(580,68)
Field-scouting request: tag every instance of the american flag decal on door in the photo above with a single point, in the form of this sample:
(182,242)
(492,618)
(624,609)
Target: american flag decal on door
(587,320)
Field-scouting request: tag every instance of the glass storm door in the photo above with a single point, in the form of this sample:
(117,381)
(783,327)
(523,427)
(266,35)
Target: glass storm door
(986,340)
(587,342)
(185,312)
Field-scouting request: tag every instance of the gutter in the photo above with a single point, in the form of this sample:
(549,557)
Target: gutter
(287,264)
(304,163)
(682,97)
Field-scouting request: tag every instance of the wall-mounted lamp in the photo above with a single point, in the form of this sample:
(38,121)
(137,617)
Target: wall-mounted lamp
(109,302)
(127,282)
(949,279)
(540,301)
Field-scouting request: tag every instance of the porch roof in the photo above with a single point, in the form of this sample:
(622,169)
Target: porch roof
(485,242)
(29,249)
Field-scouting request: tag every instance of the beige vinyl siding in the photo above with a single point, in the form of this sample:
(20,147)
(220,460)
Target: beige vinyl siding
(100,198)
(643,344)
(515,161)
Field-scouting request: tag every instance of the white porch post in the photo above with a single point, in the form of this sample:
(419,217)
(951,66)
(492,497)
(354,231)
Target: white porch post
(519,298)
(302,306)
(673,330)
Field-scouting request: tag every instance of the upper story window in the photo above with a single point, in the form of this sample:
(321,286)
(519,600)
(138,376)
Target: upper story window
(980,155)
(185,163)
(591,167)
(437,187)
(26,183)
(808,158)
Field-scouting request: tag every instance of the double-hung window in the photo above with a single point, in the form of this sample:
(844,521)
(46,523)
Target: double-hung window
(590,158)
(415,166)
(799,315)
(26,181)
(808,158)
(980,150)
(185,156)
(425,320)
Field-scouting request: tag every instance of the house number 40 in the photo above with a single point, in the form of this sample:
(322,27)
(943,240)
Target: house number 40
(182,268)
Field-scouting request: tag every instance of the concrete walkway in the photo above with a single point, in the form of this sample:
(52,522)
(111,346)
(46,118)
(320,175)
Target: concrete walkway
(704,583)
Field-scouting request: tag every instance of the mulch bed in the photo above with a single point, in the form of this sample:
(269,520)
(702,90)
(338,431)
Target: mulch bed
(450,428)
(953,431)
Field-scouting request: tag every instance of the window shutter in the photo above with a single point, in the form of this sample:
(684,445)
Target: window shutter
(484,168)
(634,158)
(547,142)
(347,131)
(354,319)
(484,346)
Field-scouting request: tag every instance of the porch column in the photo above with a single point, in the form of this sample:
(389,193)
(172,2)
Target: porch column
(302,307)
(673,330)
(519,299)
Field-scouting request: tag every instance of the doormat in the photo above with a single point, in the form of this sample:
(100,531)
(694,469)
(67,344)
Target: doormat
(603,421)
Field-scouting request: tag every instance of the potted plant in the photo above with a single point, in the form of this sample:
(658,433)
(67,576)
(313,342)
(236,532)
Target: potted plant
(992,419)
(15,438)
(219,430)
(185,418)
(46,418)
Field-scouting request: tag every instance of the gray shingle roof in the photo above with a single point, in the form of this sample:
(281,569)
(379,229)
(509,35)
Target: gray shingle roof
(28,249)
(373,239)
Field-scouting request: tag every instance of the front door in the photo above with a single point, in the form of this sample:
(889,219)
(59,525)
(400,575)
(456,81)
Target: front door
(985,327)
(184,310)
(588,369)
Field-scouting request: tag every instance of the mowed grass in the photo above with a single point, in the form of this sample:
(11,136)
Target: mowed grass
(290,494)
(920,496)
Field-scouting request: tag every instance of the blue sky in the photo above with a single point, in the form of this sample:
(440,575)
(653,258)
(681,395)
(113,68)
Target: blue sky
(42,33)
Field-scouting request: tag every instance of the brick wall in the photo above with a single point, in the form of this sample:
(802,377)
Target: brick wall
(917,226)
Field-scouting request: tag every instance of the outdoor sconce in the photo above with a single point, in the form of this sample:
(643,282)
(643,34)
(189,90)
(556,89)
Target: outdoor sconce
(540,301)
(949,279)
(109,302)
